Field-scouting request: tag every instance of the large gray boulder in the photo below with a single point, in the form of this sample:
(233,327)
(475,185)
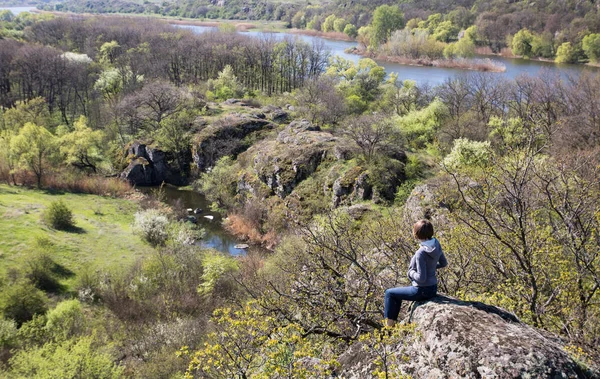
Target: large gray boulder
(296,153)
(225,137)
(459,339)
(148,166)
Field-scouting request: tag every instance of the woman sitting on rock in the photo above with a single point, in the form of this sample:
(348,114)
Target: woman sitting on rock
(422,273)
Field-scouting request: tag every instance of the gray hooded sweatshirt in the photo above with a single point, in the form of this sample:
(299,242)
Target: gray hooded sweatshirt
(426,260)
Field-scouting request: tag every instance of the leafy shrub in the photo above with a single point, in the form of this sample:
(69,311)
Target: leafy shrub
(216,266)
(69,359)
(22,301)
(8,333)
(466,153)
(65,320)
(59,216)
(151,225)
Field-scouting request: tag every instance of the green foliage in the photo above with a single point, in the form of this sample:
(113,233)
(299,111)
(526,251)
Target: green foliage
(151,225)
(471,33)
(248,343)
(566,53)
(74,358)
(34,111)
(21,301)
(219,185)
(388,345)
(109,51)
(591,46)
(466,153)
(351,31)
(542,46)
(445,31)
(215,267)
(339,25)
(226,86)
(82,146)
(66,320)
(464,48)
(58,216)
(522,43)
(419,127)
(33,147)
(386,19)
(8,333)
(328,24)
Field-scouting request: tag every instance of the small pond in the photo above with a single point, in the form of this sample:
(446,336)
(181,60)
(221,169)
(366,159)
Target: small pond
(216,236)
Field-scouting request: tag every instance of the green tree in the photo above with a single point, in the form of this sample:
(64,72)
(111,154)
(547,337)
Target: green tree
(464,48)
(219,186)
(82,147)
(445,31)
(328,24)
(109,51)
(521,43)
(339,25)
(226,85)
(34,147)
(591,46)
(34,111)
(350,31)
(566,53)
(386,19)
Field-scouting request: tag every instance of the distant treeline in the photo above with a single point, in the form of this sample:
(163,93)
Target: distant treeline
(497,21)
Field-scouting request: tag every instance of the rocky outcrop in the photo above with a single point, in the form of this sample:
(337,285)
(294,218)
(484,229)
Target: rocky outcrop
(225,137)
(459,339)
(149,166)
(352,186)
(275,114)
(425,201)
(296,153)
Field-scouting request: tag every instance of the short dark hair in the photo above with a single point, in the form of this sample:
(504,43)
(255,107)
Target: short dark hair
(423,230)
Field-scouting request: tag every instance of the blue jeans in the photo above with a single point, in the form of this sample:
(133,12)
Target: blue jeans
(394,297)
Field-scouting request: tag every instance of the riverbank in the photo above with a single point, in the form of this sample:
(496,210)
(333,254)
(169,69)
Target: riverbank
(484,65)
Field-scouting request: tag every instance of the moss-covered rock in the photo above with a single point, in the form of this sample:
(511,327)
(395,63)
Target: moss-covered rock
(296,153)
(225,137)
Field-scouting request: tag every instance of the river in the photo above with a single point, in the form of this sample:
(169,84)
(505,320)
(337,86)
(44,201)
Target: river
(425,75)
(17,10)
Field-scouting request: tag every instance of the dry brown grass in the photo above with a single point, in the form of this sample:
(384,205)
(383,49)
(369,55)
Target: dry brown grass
(248,230)
(68,182)
(329,35)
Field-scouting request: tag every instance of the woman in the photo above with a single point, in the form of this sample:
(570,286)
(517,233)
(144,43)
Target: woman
(421,272)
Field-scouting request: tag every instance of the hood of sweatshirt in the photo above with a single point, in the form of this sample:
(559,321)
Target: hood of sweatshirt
(432,248)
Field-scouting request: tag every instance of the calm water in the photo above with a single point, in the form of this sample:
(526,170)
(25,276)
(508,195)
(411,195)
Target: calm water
(422,75)
(216,236)
(17,10)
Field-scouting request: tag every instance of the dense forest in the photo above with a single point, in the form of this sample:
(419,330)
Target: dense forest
(324,161)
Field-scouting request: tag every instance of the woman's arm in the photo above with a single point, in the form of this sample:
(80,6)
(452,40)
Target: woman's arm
(442,262)
(419,275)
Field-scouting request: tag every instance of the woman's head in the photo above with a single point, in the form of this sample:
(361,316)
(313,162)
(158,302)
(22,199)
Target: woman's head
(423,230)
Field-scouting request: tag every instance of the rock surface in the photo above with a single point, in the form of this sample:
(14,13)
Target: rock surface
(225,137)
(149,166)
(459,339)
(298,151)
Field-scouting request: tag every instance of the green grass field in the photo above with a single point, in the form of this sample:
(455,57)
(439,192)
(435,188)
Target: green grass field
(102,239)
